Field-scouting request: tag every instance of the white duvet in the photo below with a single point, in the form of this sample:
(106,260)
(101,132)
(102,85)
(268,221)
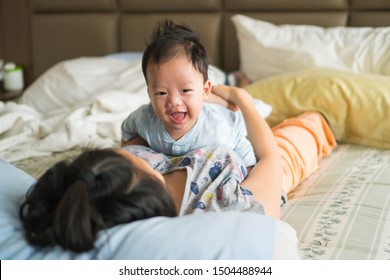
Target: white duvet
(76,103)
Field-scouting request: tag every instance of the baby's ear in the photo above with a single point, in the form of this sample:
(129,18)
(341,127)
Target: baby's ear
(147,90)
(207,89)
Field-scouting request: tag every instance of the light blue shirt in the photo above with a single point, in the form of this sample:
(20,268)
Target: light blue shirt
(216,126)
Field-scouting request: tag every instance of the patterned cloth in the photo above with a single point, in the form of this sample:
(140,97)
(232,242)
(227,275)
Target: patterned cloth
(213,181)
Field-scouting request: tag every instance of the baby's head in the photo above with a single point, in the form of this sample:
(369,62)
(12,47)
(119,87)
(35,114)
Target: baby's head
(171,40)
(175,66)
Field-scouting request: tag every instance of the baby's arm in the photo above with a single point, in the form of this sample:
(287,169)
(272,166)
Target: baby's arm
(130,129)
(137,140)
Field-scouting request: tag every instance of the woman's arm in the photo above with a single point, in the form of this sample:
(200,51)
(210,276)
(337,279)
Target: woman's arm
(265,179)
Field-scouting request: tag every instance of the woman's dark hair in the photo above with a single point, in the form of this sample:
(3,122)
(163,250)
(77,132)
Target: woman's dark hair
(71,202)
(170,40)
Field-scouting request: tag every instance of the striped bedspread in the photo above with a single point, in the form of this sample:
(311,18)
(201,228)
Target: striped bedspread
(342,211)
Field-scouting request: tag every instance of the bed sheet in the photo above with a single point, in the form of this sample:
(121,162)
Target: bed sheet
(342,211)
(36,166)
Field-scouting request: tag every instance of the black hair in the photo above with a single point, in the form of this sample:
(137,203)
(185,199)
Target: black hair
(71,202)
(170,40)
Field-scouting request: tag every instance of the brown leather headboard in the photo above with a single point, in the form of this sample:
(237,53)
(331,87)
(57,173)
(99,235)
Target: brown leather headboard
(64,29)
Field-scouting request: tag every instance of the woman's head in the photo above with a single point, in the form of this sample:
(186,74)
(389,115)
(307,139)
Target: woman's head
(72,201)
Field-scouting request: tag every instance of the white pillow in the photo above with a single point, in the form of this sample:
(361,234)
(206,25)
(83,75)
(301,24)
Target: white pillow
(267,49)
(73,81)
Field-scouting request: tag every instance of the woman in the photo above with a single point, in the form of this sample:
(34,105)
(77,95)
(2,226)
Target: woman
(71,202)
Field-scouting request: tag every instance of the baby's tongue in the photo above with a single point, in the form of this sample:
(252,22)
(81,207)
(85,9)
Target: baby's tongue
(179,116)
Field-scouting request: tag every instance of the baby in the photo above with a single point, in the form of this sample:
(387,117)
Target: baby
(176,121)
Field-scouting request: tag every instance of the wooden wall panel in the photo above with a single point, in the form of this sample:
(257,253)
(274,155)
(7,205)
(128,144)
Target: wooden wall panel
(15,43)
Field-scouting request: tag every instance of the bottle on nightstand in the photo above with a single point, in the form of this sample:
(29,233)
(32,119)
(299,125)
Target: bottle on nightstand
(13,82)
(13,77)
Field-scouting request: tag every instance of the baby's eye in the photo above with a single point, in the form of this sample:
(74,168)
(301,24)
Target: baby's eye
(186,90)
(160,93)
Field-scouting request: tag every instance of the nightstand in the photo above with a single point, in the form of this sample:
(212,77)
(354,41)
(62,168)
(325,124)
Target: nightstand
(6,96)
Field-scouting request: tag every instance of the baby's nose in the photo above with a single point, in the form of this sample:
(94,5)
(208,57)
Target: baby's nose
(174,99)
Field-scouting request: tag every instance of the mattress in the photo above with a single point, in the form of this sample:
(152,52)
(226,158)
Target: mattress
(342,210)
(36,166)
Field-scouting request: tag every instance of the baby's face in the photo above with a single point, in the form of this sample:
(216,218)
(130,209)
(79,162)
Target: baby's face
(177,91)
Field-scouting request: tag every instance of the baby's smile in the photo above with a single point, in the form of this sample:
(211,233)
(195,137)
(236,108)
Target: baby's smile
(178,117)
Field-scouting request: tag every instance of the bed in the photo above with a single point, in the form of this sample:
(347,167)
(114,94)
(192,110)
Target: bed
(329,56)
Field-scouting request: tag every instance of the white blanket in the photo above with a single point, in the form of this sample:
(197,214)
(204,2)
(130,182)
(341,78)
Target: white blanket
(25,132)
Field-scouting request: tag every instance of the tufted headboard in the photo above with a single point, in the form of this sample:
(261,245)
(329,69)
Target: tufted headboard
(65,29)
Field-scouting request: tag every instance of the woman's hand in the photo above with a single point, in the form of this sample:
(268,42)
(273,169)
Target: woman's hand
(213,98)
(236,97)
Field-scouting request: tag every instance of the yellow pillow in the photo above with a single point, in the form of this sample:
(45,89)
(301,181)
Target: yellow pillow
(357,106)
